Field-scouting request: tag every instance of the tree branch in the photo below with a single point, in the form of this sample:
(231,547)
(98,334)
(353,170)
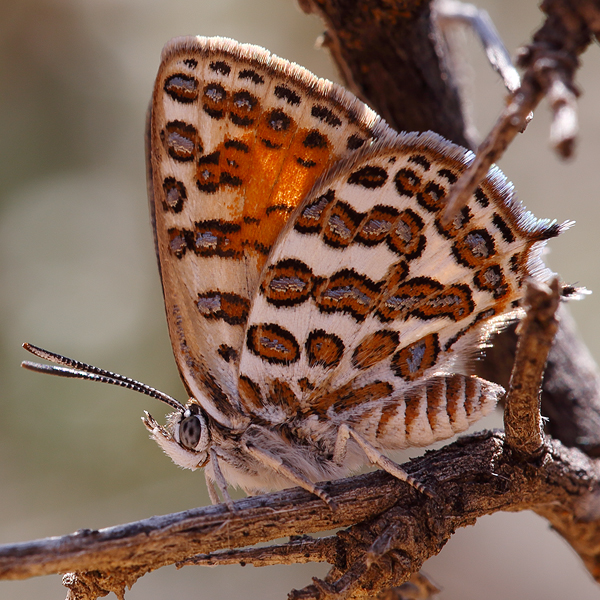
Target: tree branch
(472,477)
(550,61)
(522,418)
(390,55)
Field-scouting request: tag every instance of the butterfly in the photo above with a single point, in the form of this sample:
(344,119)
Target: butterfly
(321,311)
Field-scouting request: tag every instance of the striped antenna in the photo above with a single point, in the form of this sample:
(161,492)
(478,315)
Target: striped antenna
(80,370)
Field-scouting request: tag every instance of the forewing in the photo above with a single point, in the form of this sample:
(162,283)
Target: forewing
(237,137)
(368,294)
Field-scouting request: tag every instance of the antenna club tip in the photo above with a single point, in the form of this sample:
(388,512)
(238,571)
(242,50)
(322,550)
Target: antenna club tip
(30,366)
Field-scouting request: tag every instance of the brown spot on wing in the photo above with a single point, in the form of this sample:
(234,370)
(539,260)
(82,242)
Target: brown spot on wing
(413,360)
(419,159)
(369,177)
(457,226)
(403,297)
(217,238)
(313,216)
(455,389)
(378,223)
(220,66)
(181,141)
(341,225)
(387,414)
(473,396)
(287,283)
(228,354)
(182,88)
(217,395)
(431,196)
(323,349)
(244,109)
(224,306)
(474,247)
(436,402)
(406,237)
(407,182)
(175,194)
(350,396)
(250,394)
(491,279)
(454,302)
(273,344)
(374,348)
(281,394)
(285,93)
(347,292)
(214,101)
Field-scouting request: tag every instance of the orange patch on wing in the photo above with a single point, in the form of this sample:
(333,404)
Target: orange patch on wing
(473,396)
(273,344)
(415,403)
(387,414)
(284,164)
(324,349)
(436,402)
(282,395)
(250,394)
(455,390)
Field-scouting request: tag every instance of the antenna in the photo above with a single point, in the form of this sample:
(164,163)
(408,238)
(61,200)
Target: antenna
(80,370)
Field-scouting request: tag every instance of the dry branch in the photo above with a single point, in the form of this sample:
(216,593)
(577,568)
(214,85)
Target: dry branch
(551,61)
(522,418)
(473,477)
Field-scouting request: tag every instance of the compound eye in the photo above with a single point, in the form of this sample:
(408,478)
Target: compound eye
(190,431)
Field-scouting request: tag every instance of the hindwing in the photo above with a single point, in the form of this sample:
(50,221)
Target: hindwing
(369,299)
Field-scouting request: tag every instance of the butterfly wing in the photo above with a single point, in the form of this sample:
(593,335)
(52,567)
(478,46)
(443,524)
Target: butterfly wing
(371,308)
(237,137)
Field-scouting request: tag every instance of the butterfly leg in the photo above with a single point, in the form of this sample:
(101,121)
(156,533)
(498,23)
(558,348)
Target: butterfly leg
(383,462)
(289,472)
(220,481)
(212,491)
(341,443)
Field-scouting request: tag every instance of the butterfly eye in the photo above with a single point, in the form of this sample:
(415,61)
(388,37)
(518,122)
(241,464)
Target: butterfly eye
(190,431)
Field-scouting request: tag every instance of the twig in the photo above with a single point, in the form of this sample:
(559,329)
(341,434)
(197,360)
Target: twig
(454,11)
(550,62)
(473,477)
(300,549)
(522,418)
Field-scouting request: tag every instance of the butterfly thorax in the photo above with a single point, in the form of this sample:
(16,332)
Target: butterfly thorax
(194,439)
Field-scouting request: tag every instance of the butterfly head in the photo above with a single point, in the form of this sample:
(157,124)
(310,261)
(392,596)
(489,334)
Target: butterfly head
(185,438)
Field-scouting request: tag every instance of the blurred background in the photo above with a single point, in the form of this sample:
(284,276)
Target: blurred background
(78,276)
